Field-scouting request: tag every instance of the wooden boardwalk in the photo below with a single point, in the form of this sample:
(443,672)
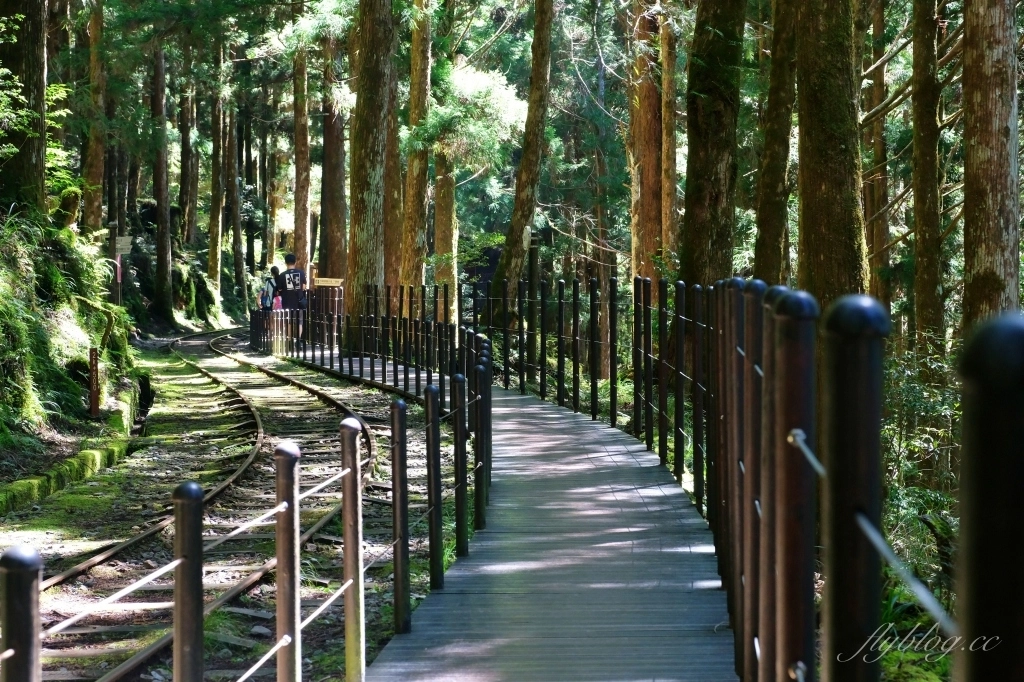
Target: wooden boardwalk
(594,566)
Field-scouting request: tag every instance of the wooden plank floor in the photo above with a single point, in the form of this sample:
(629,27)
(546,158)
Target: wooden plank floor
(594,566)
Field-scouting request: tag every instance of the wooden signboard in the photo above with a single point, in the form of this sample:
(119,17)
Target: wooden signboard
(123,245)
(94,382)
(327,282)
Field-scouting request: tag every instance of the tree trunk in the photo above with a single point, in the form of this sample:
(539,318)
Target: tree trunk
(446,229)
(772,187)
(646,227)
(927,226)
(832,247)
(517,242)
(396,223)
(58,38)
(301,151)
(334,256)
(991,201)
(369,140)
(669,215)
(414,229)
(122,197)
(712,106)
(267,243)
(216,173)
(163,305)
(185,131)
(878,229)
(235,203)
(249,188)
(92,196)
(132,191)
(193,194)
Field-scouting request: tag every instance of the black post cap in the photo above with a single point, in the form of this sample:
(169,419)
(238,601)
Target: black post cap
(798,305)
(994,355)
(21,558)
(189,490)
(399,404)
(857,315)
(289,449)
(735,283)
(697,287)
(430,388)
(773,294)
(350,425)
(755,287)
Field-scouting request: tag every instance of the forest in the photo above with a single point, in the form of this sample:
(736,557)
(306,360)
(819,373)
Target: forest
(833,145)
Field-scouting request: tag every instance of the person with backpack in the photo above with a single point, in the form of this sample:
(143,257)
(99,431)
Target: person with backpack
(293,286)
(269,290)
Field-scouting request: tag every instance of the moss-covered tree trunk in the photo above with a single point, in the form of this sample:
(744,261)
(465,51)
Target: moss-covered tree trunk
(669,216)
(414,230)
(163,301)
(216,187)
(185,133)
(770,251)
(927,228)
(92,168)
(833,258)
(712,107)
(446,229)
(647,141)
(369,141)
(301,150)
(878,227)
(234,197)
(334,257)
(395,210)
(517,242)
(991,192)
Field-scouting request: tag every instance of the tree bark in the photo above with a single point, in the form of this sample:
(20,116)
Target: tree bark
(92,195)
(301,151)
(216,172)
(334,256)
(878,229)
(647,225)
(712,106)
(163,304)
(396,223)
(772,186)
(446,229)
(185,131)
(927,227)
(235,203)
(517,242)
(122,197)
(669,215)
(832,246)
(369,140)
(414,228)
(991,201)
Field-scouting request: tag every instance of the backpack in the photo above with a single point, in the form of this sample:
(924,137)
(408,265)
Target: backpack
(267,294)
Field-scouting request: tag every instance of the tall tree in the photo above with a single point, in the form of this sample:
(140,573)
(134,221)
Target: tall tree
(712,110)
(878,180)
(217,188)
(991,200)
(446,228)
(928,301)
(517,242)
(22,176)
(376,36)
(772,186)
(301,150)
(185,132)
(95,151)
(332,194)
(235,201)
(833,258)
(646,142)
(669,221)
(163,304)
(414,229)
(394,207)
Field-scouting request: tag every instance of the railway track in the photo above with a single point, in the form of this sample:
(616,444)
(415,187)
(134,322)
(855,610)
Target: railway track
(251,408)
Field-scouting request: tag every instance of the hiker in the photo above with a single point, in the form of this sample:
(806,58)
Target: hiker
(293,286)
(270,290)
